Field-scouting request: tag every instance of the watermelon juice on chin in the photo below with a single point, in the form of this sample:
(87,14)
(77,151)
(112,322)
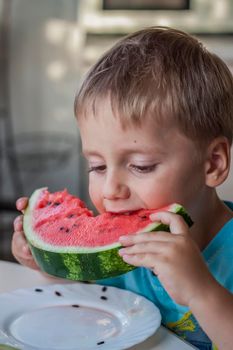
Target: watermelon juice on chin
(68,241)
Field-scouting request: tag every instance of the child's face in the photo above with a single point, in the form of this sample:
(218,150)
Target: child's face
(138,167)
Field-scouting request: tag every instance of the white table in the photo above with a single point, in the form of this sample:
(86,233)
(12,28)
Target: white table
(14,276)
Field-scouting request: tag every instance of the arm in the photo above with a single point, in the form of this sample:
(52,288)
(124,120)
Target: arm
(177,261)
(214,311)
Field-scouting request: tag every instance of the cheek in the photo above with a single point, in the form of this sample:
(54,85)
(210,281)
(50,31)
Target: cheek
(164,190)
(160,198)
(155,194)
(185,185)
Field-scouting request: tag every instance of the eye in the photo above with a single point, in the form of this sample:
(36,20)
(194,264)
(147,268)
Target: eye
(97,169)
(143,168)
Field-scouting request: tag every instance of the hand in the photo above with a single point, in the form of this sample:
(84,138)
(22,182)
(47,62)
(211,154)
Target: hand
(173,256)
(20,248)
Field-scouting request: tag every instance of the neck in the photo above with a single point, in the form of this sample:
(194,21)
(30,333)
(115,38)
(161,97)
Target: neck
(209,217)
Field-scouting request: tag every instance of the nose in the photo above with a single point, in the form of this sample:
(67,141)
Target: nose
(115,187)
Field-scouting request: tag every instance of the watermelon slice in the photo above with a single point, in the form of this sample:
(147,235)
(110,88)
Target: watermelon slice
(68,241)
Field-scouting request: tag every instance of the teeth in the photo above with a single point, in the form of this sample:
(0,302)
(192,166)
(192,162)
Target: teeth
(127,212)
(122,212)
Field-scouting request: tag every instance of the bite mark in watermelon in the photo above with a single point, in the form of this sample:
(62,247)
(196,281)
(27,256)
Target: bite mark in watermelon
(68,241)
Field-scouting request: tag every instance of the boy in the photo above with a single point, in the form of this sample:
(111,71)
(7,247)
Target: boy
(156,121)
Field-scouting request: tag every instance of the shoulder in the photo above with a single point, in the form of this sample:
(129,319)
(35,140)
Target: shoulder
(229,224)
(229,204)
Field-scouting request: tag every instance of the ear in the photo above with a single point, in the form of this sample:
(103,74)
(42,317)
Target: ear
(217,161)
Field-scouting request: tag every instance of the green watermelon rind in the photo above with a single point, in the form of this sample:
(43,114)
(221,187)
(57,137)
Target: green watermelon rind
(81,267)
(83,263)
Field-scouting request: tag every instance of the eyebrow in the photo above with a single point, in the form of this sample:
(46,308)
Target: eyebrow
(127,151)
(85,153)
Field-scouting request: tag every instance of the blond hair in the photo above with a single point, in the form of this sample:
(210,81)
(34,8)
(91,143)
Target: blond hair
(165,74)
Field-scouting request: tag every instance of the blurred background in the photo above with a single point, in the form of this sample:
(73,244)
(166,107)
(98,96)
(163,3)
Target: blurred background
(46,46)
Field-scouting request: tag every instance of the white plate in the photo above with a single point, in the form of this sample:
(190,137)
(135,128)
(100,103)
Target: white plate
(75,317)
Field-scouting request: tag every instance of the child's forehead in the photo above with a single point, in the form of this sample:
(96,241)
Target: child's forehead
(107,125)
(106,113)
(103,109)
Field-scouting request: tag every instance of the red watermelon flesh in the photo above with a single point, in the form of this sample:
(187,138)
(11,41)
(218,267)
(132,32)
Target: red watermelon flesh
(62,219)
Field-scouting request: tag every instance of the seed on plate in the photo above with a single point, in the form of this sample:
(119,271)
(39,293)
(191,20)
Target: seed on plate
(58,294)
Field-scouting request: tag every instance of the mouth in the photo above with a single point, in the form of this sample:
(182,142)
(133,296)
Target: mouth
(124,212)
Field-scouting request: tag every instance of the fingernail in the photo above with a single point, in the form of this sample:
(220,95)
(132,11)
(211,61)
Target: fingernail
(123,238)
(126,258)
(121,252)
(152,215)
(26,249)
(18,226)
(17,220)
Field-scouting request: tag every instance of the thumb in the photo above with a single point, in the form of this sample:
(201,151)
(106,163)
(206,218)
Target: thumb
(174,221)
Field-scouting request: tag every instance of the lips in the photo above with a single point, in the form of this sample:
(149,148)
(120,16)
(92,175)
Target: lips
(124,211)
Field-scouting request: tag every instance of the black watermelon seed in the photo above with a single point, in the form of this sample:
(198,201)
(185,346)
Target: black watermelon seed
(100,343)
(75,305)
(38,290)
(56,204)
(70,216)
(104,289)
(62,228)
(49,203)
(103,297)
(58,294)
(67,230)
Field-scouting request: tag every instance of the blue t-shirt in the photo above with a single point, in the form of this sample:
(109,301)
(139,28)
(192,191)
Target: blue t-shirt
(218,256)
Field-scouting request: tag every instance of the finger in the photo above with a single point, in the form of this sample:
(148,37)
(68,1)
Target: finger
(143,260)
(30,262)
(128,240)
(22,203)
(18,223)
(20,247)
(21,251)
(144,248)
(174,221)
